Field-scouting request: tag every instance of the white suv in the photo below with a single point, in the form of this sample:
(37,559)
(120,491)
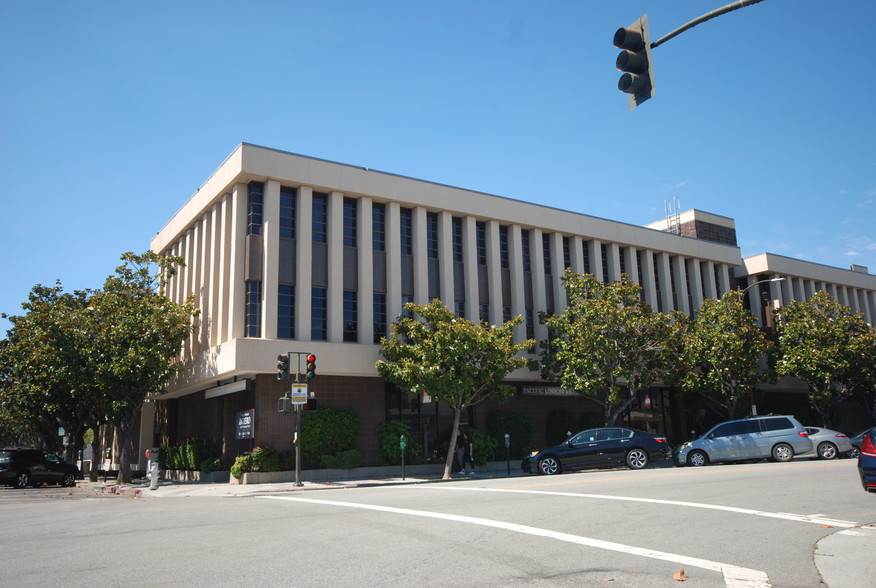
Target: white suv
(778,437)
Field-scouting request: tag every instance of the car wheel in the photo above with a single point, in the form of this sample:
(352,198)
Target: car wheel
(69,480)
(549,465)
(827,450)
(854,452)
(22,480)
(637,459)
(697,458)
(783,452)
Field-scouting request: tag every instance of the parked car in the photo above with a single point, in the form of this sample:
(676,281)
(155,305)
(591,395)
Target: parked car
(827,444)
(21,467)
(594,448)
(867,461)
(855,439)
(779,437)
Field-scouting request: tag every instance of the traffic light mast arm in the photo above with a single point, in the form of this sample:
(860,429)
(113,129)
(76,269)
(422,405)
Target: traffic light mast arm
(701,19)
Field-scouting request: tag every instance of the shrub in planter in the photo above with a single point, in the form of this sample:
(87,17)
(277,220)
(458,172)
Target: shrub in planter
(326,431)
(242,464)
(485,448)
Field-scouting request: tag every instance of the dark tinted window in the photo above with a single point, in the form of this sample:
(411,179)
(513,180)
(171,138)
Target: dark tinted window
(776,424)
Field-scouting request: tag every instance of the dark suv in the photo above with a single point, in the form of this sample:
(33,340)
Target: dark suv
(34,467)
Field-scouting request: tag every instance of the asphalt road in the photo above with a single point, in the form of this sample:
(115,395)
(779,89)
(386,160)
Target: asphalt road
(763,524)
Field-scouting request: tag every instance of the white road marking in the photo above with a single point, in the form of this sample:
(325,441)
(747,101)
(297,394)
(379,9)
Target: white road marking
(815,519)
(734,576)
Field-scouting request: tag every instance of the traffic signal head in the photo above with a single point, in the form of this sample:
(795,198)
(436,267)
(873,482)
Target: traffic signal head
(635,61)
(311,366)
(283,372)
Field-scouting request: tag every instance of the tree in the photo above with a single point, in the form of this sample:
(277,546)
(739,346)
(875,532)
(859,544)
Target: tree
(90,358)
(450,358)
(45,383)
(607,344)
(137,333)
(720,352)
(864,389)
(824,344)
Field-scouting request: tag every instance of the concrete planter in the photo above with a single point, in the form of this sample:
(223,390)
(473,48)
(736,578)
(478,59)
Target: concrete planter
(364,473)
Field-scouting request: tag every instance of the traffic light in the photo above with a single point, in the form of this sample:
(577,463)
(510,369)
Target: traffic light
(311,366)
(635,61)
(283,372)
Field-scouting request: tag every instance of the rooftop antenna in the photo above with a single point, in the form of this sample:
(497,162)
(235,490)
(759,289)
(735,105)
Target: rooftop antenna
(673,215)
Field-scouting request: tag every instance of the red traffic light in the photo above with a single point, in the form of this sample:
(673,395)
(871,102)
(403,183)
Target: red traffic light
(311,366)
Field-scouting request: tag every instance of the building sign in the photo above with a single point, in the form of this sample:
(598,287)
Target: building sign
(246,424)
(548,391)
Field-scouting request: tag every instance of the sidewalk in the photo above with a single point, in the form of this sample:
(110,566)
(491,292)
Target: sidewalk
(312,481)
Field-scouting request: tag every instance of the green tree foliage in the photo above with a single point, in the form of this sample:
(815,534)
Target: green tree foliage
(720,352)
(607,344)
(89,358)
(827,346)
(45,382)
(450,358)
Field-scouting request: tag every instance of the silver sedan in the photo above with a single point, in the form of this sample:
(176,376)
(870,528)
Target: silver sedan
(827,444)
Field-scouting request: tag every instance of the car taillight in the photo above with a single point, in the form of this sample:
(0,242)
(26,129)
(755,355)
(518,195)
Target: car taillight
(660,439)
(803,433)
(841,436)
(868,448)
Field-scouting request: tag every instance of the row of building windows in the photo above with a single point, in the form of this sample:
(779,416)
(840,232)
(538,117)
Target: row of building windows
(319,235)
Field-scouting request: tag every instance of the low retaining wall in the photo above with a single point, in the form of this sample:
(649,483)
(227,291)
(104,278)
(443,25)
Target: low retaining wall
(192,476)
(365,473)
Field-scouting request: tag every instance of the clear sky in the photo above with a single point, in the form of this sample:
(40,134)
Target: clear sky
(112,114)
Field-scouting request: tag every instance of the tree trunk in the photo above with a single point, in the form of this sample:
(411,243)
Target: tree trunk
(96,456)
(124,432)
(448,463)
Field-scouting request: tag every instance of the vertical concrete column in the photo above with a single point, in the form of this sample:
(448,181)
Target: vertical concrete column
(518,296)
(577,255)
(393,261)
(237,294)
(557,267)
(711,290)
(212,317)
(595,249)
(470,268)
(799,293)
(366,272)
(445,258)
(335,290)
(304,263)
(631,261)
(226,238)
(723,279)
(808,289)
(204,294)
(754,297)
(871,307)
(786,289)
(539,296)
(614,268)
(421,257)
(649,279)
(270,259)
(695,281)
(494,272)
(681,287)
(663,274)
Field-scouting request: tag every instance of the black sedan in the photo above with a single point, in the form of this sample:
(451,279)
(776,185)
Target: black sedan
(867,461)
(21,467)
(595,448)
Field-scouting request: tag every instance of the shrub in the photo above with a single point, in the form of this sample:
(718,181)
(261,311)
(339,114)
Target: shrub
(389,433)
(485,448)
(211,465)
(515,424)
(326,432)
(242,464)
(344,460)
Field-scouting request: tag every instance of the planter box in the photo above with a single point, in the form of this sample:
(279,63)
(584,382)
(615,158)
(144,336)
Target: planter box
(364,473)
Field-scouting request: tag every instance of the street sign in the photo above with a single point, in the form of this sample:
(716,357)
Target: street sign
(299,394)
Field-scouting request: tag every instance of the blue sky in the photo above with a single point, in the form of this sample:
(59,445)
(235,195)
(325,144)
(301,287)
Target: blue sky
(114,113)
